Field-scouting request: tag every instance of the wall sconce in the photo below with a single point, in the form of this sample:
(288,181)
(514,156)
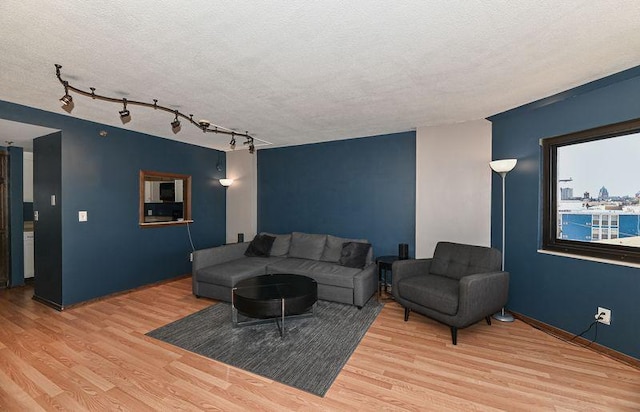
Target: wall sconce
(226,182)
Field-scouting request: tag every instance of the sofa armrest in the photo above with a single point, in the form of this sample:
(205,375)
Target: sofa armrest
(482,294)
(407,268)
(212,256)
(365,284)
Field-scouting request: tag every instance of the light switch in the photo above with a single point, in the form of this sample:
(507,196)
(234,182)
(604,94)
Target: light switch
(35,215)
(53,200)
(82,216)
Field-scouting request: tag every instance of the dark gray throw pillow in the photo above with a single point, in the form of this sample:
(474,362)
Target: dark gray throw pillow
(260,246)
(354,254)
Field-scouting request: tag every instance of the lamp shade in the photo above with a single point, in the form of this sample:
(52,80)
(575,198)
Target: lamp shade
(503,166)
(226,182)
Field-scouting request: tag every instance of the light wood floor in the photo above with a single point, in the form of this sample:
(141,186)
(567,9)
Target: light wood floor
(97,357)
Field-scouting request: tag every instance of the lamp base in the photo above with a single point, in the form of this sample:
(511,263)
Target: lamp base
(502,316)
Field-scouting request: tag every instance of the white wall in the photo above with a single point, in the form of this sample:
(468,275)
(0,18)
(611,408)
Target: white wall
(27,175)
(242,203)
(453,185)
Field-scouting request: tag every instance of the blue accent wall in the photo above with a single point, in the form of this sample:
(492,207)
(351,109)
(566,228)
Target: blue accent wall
(359,188)
(16,219)
(561,291)
(110,252)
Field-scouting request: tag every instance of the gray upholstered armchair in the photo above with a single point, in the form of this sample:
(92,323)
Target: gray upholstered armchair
(459,286)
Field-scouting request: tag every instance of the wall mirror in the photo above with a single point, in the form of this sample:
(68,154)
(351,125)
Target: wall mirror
(165,199)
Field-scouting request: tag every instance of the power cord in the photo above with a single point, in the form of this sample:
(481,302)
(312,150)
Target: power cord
(571,341)
(193,249)
(578,344)
(599,317)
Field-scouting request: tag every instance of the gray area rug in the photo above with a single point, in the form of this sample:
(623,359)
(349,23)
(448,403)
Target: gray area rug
(309,357)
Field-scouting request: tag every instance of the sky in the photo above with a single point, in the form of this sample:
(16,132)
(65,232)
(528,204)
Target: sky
(613,163)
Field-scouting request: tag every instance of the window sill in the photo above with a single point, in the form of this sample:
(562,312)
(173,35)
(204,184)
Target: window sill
(169,223)
(591,259)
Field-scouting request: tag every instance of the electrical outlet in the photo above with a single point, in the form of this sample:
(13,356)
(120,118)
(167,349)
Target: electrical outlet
(605,317)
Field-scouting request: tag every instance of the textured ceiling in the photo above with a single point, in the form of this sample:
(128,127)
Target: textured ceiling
(301,72)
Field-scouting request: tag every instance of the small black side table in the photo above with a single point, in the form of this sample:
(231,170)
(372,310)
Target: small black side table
(384,267)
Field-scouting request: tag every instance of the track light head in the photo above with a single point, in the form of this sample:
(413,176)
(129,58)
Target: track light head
(66,100)
(125,115)
(175,124)
(67,103)
(249,142)
(204,124)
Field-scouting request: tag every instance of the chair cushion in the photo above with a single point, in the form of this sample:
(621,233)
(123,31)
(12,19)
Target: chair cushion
(456,260)
(281,245)
(434,292)
(307,246)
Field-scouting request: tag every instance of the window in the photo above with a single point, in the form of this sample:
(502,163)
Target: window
(591,192)
(165,199)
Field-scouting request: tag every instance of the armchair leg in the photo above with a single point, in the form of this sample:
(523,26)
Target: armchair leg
(454,335)
(488,319)
(406,314)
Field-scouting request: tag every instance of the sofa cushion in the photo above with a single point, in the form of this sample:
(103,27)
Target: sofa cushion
(457,260)
(307,246)
(229,273)
(325,273)
(435,292)
(333,248)
(354,254)
(281,245)
(260,246)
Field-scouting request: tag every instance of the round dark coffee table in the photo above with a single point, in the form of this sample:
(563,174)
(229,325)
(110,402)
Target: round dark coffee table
(266,297)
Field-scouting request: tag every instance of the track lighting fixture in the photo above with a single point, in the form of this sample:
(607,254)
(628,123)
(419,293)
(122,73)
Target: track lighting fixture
(175,124)
(249,142)
(204,125)
(66,100)
(125,116)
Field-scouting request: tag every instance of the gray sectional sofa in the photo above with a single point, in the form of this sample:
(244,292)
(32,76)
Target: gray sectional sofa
(216,270)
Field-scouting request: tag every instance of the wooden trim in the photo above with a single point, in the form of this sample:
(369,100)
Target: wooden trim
(586,343)
(111,295)
(186,199)
(169,223)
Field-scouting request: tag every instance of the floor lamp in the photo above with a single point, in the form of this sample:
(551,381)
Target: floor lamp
(502,167)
